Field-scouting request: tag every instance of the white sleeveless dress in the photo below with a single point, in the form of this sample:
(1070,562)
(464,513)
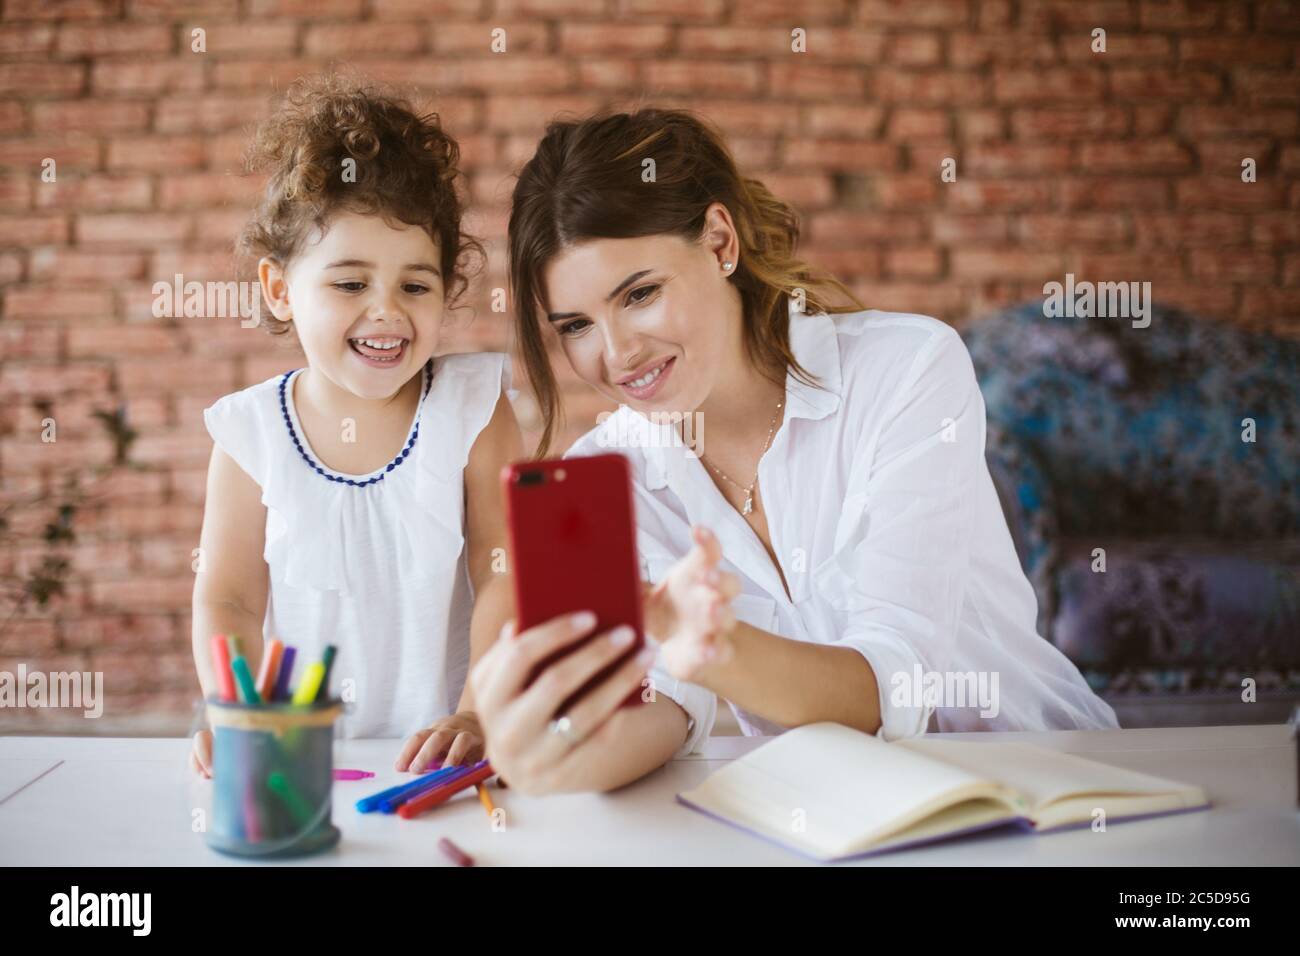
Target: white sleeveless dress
(374,564)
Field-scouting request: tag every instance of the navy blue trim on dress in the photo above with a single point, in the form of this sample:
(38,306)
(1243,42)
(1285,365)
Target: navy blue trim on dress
(415,433)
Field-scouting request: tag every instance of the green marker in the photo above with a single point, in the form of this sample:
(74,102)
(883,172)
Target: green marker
(283,789)
(244,678)
(327,659)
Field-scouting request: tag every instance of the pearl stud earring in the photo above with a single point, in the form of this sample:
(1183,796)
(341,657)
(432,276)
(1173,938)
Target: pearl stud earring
(727,267)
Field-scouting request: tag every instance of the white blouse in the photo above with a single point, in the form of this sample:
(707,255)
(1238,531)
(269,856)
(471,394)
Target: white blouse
(888,528)
(374,564)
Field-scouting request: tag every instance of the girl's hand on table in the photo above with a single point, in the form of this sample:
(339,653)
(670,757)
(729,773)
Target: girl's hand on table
(451,741)
(201,754)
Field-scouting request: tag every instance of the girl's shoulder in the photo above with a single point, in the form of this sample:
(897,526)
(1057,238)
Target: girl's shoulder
(461,399)
(240,423)
(246,400)
(472,371)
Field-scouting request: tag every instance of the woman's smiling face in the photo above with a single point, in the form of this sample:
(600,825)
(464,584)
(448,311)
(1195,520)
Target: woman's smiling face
(648,322)
(363,279)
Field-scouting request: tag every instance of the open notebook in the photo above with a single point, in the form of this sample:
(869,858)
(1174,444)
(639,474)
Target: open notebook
(830,792)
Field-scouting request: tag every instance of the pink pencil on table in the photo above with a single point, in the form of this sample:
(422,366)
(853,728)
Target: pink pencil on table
(352,774)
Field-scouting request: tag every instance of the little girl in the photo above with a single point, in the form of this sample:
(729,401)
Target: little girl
(354,502)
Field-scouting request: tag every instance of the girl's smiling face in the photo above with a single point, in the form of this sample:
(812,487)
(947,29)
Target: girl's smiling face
(366,299)
(652,322)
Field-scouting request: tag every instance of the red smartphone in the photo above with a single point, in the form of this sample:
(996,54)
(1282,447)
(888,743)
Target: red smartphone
(573,544)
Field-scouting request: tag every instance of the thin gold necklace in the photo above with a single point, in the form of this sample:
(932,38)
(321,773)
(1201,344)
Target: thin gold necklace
(749,492)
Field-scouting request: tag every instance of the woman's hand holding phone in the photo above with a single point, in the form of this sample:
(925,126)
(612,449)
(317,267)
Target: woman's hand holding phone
(689,612)
(530,744)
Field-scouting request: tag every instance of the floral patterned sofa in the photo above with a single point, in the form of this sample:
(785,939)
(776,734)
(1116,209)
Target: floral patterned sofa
(1126,448)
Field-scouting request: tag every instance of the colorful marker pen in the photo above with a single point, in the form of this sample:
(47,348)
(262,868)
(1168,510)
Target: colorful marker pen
(282,788)
(286,674)
(455,853)
(352,774)
(327,659)
(221,668)
(270,670)
(310,686)
(244,678)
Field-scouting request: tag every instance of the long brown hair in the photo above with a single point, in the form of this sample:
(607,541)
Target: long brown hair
(586,182)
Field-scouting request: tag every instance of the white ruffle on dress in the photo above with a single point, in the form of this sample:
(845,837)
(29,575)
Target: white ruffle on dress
(374,564)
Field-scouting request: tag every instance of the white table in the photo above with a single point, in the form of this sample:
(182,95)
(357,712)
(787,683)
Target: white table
(126,802)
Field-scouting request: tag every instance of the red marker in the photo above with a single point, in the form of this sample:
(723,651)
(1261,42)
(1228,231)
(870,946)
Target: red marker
(221,664)
(413,808)
(455,853)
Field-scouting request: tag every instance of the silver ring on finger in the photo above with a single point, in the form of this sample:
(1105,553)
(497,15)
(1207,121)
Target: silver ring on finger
(563,727)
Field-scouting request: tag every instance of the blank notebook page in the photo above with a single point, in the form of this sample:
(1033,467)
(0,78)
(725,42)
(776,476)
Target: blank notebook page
(1039,774)
(847,782)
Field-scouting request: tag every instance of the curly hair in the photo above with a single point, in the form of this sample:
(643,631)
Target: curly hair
(404,167)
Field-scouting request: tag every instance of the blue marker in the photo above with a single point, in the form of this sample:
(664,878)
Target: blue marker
(392,803)
(371,803)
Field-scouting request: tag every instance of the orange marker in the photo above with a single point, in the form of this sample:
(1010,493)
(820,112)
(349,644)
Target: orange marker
(270,669)
(485,798)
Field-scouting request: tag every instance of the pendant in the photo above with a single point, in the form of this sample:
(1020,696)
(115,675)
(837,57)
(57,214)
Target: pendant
(749,502)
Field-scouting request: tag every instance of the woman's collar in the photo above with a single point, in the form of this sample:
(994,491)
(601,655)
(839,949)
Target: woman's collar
(815,345)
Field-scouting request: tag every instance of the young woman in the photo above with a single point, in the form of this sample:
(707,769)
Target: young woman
(826,538)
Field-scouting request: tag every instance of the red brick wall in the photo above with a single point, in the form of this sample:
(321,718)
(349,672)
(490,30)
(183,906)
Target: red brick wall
(1122,165)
